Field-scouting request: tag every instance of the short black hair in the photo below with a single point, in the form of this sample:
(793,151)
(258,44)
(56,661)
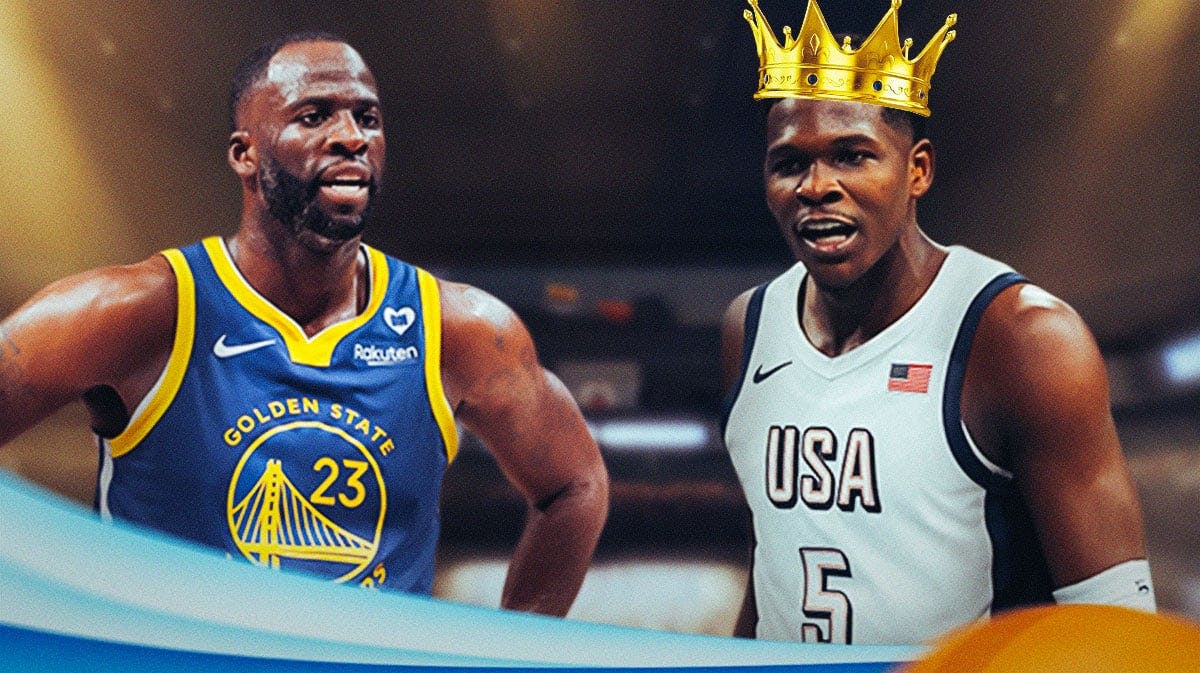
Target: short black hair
(908,123)
(255,63)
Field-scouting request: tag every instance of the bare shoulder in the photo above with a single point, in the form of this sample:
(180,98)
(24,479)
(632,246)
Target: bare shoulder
(106,326)
(1034,373)
(141,295)
(485,346)
(466,308)
(1028,324)
(477,326)
(1035,356)
(733,334)
(735,313)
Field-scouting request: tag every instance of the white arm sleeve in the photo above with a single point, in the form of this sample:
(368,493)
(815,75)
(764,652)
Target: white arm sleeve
(1126,584)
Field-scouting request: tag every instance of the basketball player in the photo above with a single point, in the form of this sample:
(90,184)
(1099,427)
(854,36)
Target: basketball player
(923,436)
(289,395)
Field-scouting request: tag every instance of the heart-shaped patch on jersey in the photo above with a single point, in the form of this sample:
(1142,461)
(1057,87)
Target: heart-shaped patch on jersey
(399,319)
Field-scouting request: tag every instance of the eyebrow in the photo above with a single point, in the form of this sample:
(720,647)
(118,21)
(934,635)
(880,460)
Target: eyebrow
(855,139)
(787,146)
(356,101)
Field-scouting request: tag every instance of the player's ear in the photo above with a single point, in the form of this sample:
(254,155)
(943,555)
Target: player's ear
(920,168)
(243,156)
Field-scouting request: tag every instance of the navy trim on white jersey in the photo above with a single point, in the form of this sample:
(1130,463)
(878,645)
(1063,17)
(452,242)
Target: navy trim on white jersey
(749,332)
(1020,576)
(956,371)
(1019,572)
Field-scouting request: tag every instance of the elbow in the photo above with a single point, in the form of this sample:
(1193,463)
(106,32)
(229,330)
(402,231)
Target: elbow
(586,496)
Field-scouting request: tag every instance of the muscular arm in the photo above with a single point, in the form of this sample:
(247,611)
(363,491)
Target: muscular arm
(1036,400)
(733,327)
(88,336)
(532,426)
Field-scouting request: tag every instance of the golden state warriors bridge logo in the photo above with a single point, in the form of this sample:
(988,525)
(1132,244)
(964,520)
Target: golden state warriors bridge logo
(307,495)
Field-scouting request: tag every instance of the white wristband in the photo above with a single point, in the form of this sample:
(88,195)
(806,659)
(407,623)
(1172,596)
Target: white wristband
(1126,584)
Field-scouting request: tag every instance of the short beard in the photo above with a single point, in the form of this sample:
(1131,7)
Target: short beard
(293,202)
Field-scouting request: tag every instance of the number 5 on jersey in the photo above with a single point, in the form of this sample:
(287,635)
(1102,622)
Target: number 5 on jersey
(830,610)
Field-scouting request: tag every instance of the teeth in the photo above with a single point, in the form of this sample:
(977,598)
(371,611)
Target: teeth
(824,225)
(827,232)
(345,188)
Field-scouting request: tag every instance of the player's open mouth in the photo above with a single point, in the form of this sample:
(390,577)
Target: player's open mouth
(826,234)
(345,187)
(345,190)
(346,184)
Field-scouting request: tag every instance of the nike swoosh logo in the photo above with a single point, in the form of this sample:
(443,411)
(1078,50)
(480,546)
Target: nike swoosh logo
(222,351)
(760,375)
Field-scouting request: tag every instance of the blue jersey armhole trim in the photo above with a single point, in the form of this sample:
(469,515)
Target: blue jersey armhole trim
(749,332)
(956,371)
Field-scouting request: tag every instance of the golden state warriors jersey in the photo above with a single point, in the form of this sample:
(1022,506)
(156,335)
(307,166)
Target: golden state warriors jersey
(876,518)
(322,454)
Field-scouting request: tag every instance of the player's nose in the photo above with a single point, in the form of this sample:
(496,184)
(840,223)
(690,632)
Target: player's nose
(345,135)
(817,185)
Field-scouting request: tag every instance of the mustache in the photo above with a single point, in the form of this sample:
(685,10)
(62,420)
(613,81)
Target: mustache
(293,201)
(278,180)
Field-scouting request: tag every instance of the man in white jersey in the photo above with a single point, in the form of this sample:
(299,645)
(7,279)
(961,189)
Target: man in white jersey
(924,438)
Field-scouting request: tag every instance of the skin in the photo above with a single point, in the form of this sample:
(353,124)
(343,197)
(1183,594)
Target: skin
(1046,418)
(105,335)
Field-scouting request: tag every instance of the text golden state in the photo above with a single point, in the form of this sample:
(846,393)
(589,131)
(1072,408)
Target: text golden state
(262,415)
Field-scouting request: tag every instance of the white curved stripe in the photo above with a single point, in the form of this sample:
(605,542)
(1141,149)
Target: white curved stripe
(63,571)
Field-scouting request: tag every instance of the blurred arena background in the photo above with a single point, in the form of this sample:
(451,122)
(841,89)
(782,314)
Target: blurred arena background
(596,165)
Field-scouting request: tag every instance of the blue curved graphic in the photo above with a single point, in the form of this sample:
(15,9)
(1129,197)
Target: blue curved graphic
(77,594)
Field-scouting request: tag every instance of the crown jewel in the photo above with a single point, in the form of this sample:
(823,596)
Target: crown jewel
(811,63)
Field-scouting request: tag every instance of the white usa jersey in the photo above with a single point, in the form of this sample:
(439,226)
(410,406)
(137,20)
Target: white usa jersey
(876,519)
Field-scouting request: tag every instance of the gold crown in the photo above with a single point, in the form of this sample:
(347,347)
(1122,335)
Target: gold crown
(813,65)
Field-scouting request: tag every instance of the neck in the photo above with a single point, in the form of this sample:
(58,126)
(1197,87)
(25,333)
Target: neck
(838,320)
(316,285)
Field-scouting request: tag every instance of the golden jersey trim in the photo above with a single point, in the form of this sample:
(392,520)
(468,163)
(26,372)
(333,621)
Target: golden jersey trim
(160,397)
(315,351)
(431,314)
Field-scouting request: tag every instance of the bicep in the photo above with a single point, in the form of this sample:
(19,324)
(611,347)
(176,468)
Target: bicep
(534,430)
(1081,497)
(523,413)
(72,336)
(45,359)
(1067,457)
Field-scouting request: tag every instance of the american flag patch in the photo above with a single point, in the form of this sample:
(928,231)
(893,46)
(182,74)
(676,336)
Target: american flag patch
(909,378)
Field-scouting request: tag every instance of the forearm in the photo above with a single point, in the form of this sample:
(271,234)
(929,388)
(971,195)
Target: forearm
(552,556)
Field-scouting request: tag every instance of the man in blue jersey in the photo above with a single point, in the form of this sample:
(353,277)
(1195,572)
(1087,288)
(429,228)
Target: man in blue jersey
(288,394)
(924,438)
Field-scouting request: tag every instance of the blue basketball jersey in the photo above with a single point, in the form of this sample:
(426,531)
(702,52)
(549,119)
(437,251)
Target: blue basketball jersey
(323,454)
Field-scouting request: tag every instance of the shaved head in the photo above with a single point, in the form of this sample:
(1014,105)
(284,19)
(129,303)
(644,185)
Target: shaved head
(253,67)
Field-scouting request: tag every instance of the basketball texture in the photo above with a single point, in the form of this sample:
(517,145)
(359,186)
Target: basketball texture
(1068,638)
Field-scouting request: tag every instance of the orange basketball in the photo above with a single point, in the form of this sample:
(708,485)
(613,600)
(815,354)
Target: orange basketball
(1068,638)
